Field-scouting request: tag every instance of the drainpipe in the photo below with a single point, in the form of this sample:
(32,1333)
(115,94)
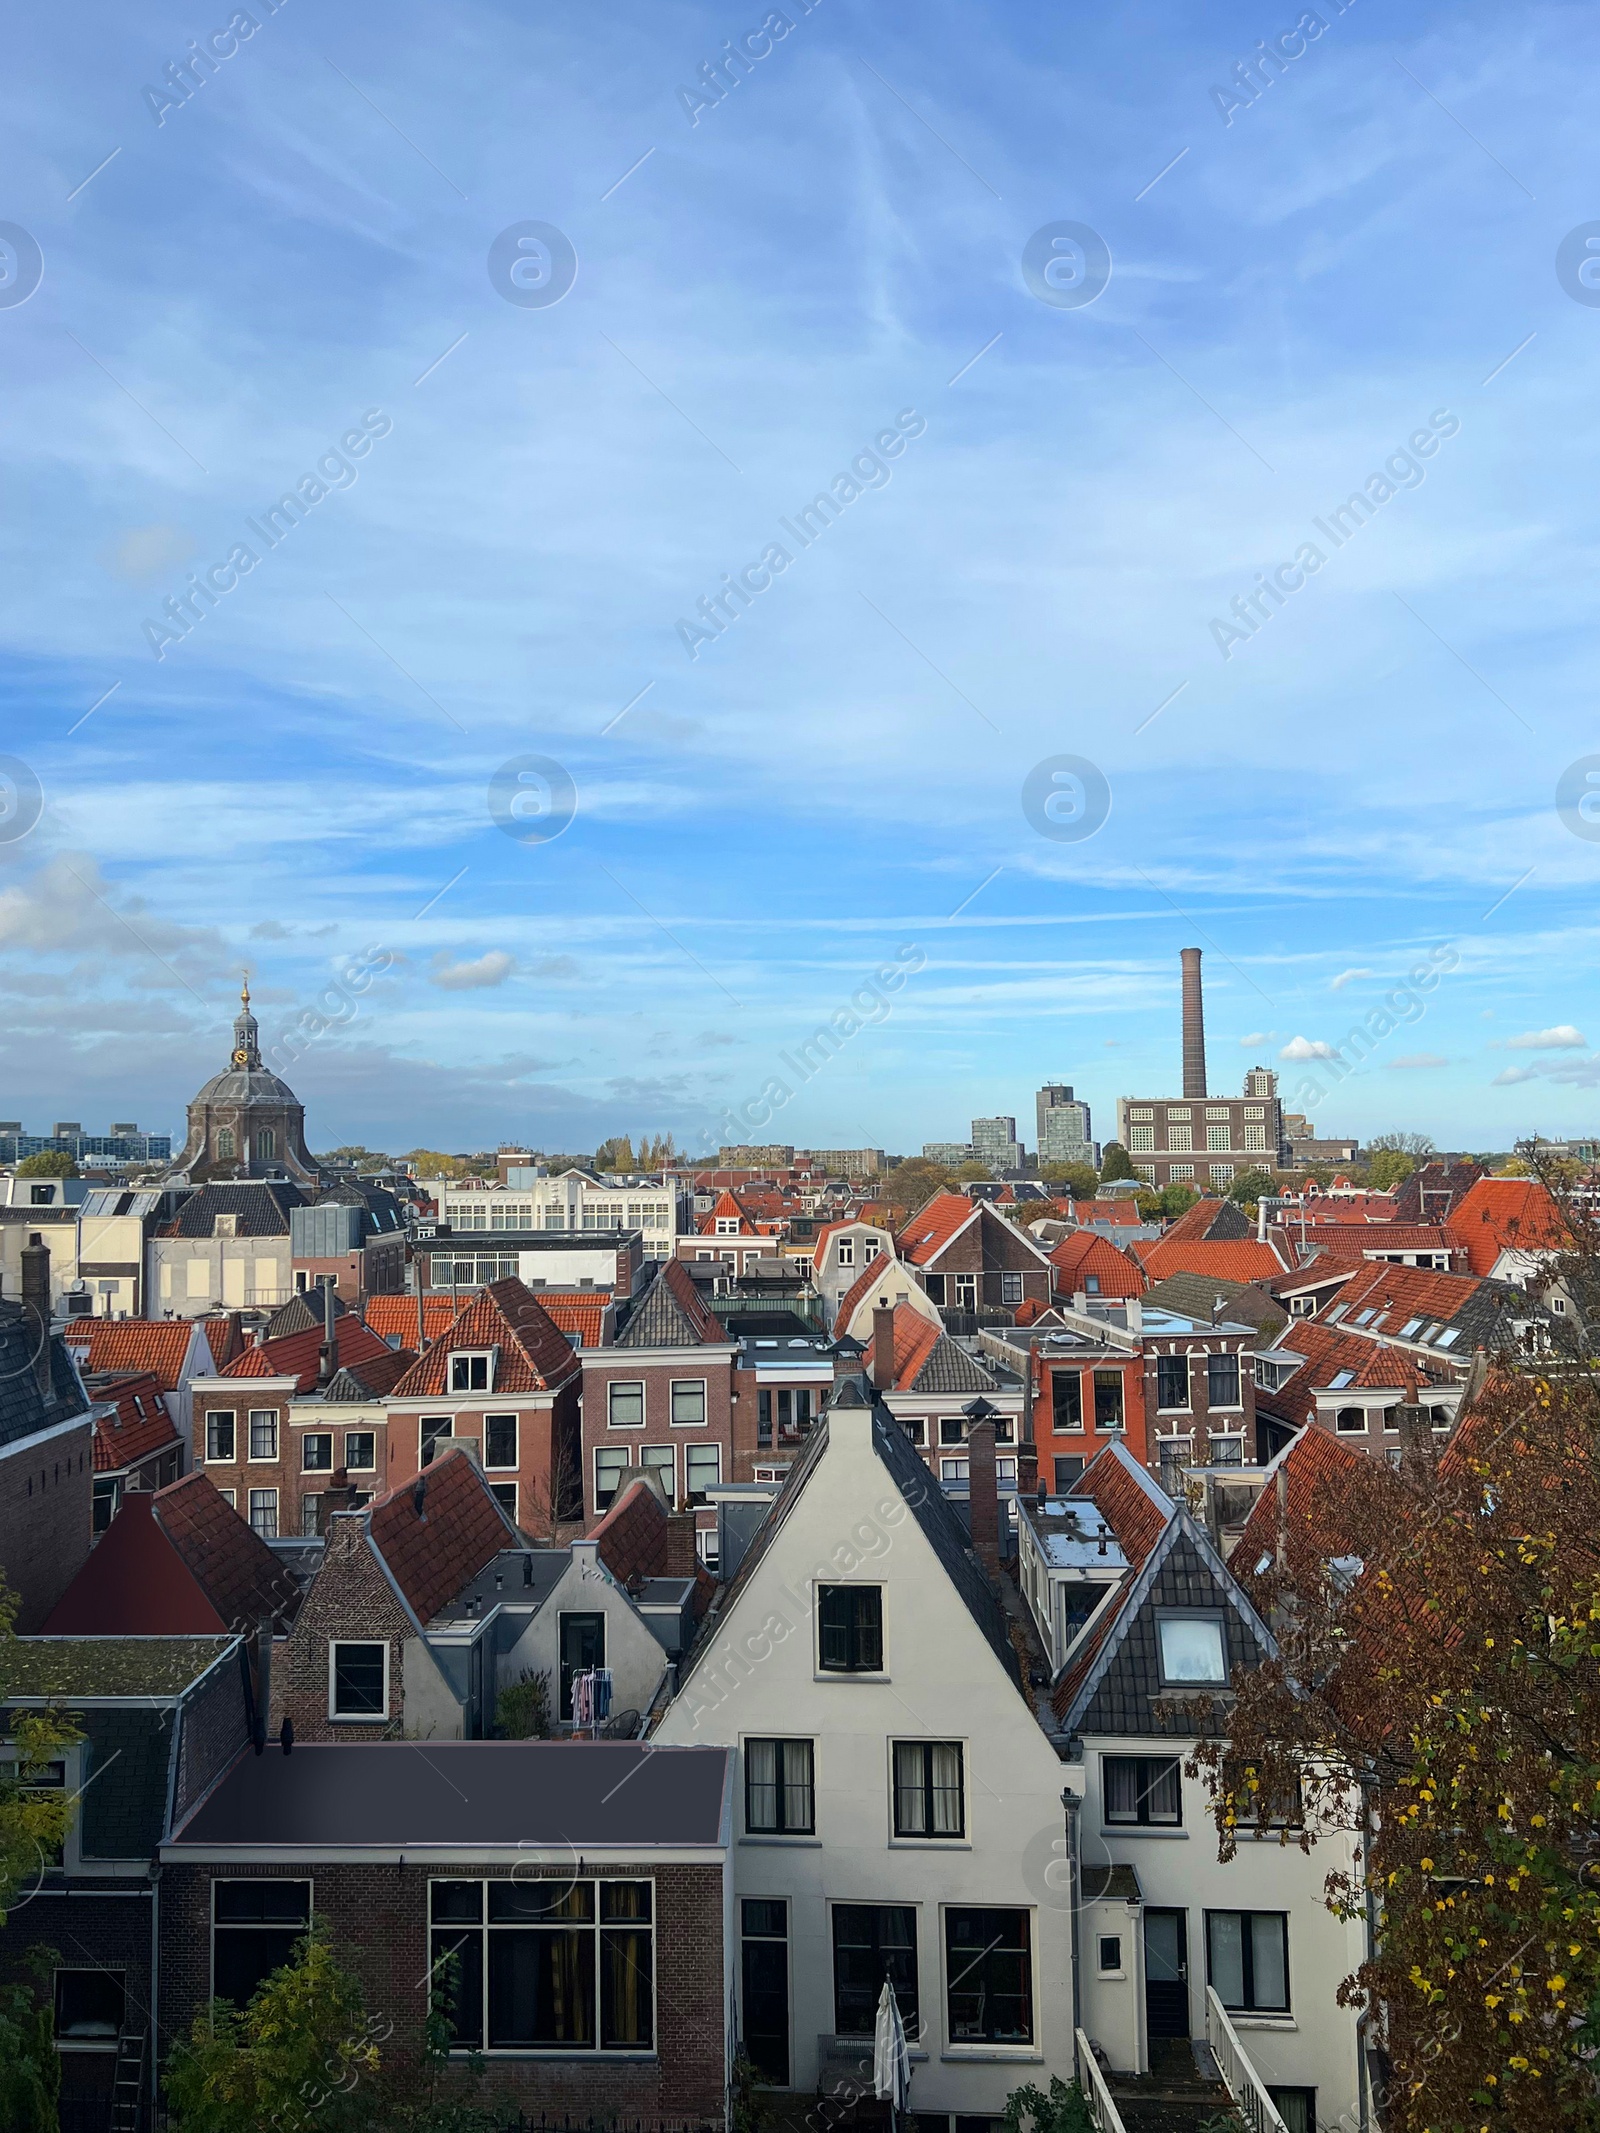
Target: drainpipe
(1363,2093)
(1073,1805)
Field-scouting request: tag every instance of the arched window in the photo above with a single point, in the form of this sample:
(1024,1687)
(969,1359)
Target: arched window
(225,1146)
(1351,1418)
(266,1145)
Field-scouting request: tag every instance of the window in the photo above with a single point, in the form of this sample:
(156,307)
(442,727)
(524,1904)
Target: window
(1011,1288)
(870,1251)
(1180,1172)
(358,1680)
(1226,1448)
(316,1451)
(266,1144)
(499,1440)
(988,1976)
(847,1251)
(1067,1472)
(1108,1399)
(1222,1173)
(609,1468)
(360,1450)
(1180,1137)
(1351,1421)
(505,1495)
(688,1400)
(915,1427)
(90,2005)
(850,1629)
(1222,1380)
(1247,1960)
(779,1793)
(953,1470)
(469,1373)
(1192,1648)
(871,1942)
(555,1965)
(227,1146)
(263,1433)
(966,1292)
(1218,1139)
(1297,2108)
(1142,1791)
(264,1513)
(952,1430)
(702,1470)
(1141,1140)
(765,1967)
(1109,1952)
(254,1926)
(625,1404)
(1172,1381)
(583,1646)
(662,1460)
(1255,1140)
(436,1429)
(220,1434)
(929,1799)
(1066,1399)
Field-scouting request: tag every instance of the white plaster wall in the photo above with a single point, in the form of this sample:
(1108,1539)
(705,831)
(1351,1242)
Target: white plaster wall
(942,1681)
(430,1709)
(637,1661)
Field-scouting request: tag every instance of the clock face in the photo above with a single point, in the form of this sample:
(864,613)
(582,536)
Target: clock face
(241,1058)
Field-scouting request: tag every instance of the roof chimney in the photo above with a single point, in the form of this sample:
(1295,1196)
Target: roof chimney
(36,1305)
(328,1353)
(1194,1026)
(882,1348)
(983,1502)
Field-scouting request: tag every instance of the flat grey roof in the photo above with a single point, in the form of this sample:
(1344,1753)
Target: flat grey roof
(393,1795)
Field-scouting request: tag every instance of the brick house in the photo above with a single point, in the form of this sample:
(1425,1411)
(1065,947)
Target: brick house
(928,1380)
(972,1260)
(661,1396)
(503,1377)
(604,1865)
(46,1449)
(353,1236)
(1083,1388)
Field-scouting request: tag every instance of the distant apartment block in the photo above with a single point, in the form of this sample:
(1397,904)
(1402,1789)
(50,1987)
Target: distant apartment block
(763,1155)
(1064,1132)
(573,1200)
(844,1162)
(949,1153)
(123,1144)
(994,1141)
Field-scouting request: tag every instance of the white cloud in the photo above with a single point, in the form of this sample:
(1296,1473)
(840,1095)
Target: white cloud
(1339,983)
(1563,1038)
(68,905)
(1576,1073)
(1511,1076)
(1304,1048)
(1256,1038)
(1420,1059)
(492,968)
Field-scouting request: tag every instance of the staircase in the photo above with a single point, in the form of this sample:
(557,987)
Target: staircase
(127,2083)
(1183,2092)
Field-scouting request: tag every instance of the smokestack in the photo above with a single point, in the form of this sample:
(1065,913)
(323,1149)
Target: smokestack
(883,1348)
(36,1305)
(1194,1026)
(328,1353)
(983,1504)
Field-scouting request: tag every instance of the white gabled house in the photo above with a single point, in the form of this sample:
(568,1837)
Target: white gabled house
(898,1805)
(1144,1626)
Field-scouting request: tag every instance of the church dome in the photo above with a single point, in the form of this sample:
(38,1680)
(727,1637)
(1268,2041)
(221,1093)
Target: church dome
(246,1085)
(246,1122)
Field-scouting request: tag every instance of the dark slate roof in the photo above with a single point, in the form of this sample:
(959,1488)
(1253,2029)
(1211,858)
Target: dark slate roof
(480,1794)
(124,1804)
(22,1411)
(949,1368)
(73,1667)
(380,1204)
(371,1377)
(670,1314)
(1193,1295)
(300,1314)
(262,1206)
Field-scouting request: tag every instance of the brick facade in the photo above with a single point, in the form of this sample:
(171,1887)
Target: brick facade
(379,1922)
(349,1597)
(215,1726)
(731,1427)
(46,1496)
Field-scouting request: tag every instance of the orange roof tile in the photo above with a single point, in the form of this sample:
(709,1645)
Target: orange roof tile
(1242,1260)
(138,1425)
(1318,1470)
(159,1345)
(1138,1514)
(296,1355)
(535,1356)
(438,1531)
(930,1230)
(583,1314)
(915,1337)
(1507,1214)
(395,1317)
(1082,1255)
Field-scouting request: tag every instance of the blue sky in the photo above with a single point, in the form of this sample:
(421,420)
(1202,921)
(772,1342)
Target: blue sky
(301,781)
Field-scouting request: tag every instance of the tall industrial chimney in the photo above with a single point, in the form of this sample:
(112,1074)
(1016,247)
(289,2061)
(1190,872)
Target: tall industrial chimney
(1194,1026)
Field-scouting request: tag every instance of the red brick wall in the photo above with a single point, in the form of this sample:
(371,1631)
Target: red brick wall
(718,1428)
(378,1918)
(349,1597)
(46,1494)
(1083,1444)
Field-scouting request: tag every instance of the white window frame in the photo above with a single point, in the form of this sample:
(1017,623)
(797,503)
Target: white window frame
(267,1414)
(487,1356)
(357,1718)
(232,1414)
(345,1448)
(673,1387)
(601,1509)
(306,1436)
(277,1513)
(613,1386)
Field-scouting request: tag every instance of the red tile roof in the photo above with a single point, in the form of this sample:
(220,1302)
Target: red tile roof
(871,1274)
(535,1356)
(1243,1260)
(573,1313)
(159,1345)
(395,1317)
(1507,1214)
(1354,1240)
(437,1532)
(1119,1213)
(915,1338)
(175,1562)
(1328,1350)
(930,1230)
(240,1572)
(1308,1516)
(1401,1293)
(138,1425)
(1138,1513)
(296,1355)
(1081,1254)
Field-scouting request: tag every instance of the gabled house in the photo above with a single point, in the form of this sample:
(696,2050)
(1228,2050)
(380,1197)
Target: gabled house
(1144,1627)
(929,1381)
(227,1246)
(973,1261)
(1511,1228)
(1439,1317)
(896,1799)
(843,1251)
(174,1351)
(662,1396)
(885,1283)
(1091,1264)
(506,1379)
(1320,1377)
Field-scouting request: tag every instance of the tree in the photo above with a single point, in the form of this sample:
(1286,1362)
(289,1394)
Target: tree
(615,1155)
(33,1821)
(1251,1186)
(522,1708)
(1064,2110)
(1079,1179)
(1389,1167)
(429,1163)
(48,1163)
(1114,1163)
(1436,1701)
(971,1173)
(1177,1200)
(30,2065)
(912,1184)
(1418,1144)
(1150,1204)
(362,1158)
(293,2059)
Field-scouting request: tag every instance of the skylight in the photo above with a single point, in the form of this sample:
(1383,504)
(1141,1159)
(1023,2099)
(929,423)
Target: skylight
(1340,1379)
(1362,1317)
(1338,1311)
(1409,1328)
(1451,1333)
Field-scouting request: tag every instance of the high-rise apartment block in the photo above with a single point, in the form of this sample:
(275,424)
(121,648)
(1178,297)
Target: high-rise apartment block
(1064,1131)
(994,1141)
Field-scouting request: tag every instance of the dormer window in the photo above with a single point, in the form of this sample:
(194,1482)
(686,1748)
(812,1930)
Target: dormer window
(225,1225)
(727,1225)
(847,1251)
(472,1370)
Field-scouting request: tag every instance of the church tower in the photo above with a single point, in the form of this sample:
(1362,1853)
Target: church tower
(245,1122)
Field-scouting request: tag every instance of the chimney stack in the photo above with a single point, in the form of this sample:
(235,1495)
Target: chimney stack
(36,1304)
(883,1348)
(983,1501)
(328,1353)
(1194,1026)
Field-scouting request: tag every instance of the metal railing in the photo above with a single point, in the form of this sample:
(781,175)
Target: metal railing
(1102,2105)
(1244,2084)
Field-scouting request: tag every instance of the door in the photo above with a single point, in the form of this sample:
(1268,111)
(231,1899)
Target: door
(583,1645)
(766,1986)
(1166,1973)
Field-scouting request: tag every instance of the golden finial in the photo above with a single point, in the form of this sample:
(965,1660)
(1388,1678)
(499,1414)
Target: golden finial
(244,990)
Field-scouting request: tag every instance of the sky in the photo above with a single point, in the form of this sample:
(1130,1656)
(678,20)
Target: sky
(522,838)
